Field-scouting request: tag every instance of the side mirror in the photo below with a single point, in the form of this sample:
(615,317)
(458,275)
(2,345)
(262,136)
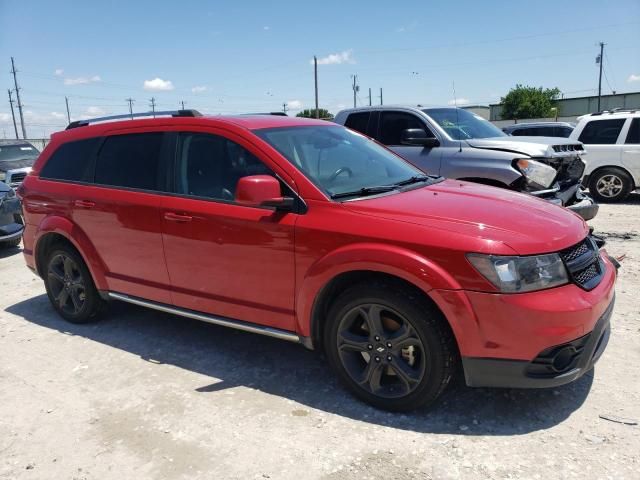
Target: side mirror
(262,191)
(418,137)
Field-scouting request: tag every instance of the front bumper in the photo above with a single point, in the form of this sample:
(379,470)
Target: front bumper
(552,367)
(10,227)
(574,198)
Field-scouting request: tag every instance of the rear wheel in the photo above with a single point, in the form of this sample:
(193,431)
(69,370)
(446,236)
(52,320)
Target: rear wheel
(610,185)
(389,346)
(70,287)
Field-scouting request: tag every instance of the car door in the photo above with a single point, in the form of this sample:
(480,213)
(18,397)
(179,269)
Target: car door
(391,125)
(631,149)
(224,258)
(119,211)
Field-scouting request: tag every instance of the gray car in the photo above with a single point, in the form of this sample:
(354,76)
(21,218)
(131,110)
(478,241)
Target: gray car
(11,224)
(455,143)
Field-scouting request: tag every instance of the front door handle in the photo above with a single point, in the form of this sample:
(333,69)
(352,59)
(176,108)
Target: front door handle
(174,217)
(84,204)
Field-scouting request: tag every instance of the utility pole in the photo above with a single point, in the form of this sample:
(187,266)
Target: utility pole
(315,77)
(356,88)
(13,115)
(130,102)
(600,60)
(182,103)
(152,104)
(15,82)
(284,107)
(380,95)
(66,100)
(369,96)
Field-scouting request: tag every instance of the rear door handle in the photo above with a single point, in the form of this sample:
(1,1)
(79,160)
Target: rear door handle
(84,203)
(174,217)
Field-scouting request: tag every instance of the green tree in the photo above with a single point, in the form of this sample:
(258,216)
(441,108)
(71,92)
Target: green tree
(311,113)
(529,102)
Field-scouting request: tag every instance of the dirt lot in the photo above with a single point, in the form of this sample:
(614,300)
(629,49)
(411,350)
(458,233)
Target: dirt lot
(146,395)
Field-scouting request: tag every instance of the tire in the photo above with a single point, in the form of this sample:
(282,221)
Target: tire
(610,185)
(11,243)
(412,347)
(70,287)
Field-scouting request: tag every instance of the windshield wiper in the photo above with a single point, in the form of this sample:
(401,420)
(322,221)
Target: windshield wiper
(415,179)
(365,191)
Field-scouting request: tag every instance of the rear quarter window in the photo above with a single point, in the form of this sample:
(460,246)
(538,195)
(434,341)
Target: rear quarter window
(601,132)
(71,161)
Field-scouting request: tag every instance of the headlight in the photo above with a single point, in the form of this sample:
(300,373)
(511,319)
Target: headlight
(3,176)
(521,274)
(537,172)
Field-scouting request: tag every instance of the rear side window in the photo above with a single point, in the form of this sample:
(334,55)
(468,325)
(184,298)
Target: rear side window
(393,123)
(633,137)
(358,121)
(130,161)
(563,132)
(71,161)
(522,132)
(601,132)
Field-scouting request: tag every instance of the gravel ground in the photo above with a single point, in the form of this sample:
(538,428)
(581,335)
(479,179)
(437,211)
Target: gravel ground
(147,395)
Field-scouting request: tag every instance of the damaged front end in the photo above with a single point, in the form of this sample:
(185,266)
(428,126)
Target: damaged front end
(556,177)
(11,224)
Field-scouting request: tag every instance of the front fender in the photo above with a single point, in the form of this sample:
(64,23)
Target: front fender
(392,260)
(76,236)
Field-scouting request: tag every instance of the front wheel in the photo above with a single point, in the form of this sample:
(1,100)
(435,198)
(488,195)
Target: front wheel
(610,185)
(390,347)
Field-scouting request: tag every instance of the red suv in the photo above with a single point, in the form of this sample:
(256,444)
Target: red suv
(310,232)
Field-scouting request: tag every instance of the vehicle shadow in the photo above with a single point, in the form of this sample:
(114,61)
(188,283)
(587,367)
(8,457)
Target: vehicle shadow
(235,358)
(9,251)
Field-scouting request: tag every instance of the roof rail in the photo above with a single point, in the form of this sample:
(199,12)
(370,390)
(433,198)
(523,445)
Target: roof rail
(172,113)
(616,110)
(277,114)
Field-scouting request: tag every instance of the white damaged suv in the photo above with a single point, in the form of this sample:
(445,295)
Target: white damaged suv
(612,140)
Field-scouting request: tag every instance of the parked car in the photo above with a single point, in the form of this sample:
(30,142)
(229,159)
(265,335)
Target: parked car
(540,129)
(613,141)
(16,159)
(10,220)
(456,143)
(307,231)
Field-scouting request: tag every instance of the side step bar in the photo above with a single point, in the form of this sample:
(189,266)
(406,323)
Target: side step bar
(225,322)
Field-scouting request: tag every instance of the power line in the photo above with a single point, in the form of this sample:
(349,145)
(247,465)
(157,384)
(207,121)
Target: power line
(17,90)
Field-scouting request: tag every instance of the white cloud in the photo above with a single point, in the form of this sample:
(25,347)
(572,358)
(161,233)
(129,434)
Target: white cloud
(407,28)
(158,85)
(95,111)
(58,72)
(198,89)
(459,101)
(294,105)
(58,115)
(4,118)
(266,27)
(633,78)
(336,58)
(82,80)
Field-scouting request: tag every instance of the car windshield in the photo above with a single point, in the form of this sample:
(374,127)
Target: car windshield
(461,124)
(17,152)
(340,161)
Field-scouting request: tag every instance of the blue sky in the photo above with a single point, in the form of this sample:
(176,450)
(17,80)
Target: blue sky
(230,57)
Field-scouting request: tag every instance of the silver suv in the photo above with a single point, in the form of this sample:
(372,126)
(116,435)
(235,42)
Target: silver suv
(455,143)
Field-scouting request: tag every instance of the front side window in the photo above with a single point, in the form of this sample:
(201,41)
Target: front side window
(601,132)
(633,137)
(393,123)
(461,124)
(209,166)
(337,159)
(130,161)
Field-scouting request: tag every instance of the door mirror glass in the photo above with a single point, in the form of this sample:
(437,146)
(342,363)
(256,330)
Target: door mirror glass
(418,137)
(261,191)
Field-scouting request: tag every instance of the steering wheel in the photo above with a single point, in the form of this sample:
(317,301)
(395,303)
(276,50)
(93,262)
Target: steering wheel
(335,174)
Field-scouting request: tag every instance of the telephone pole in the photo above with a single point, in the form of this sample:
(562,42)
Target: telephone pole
(284,107)
(380,95)
(130,102)
(15,82)
(152,104)
(356,88)
(600,60)
(315,77)
(369,96)
(13,115)
(182,103)
(66,100)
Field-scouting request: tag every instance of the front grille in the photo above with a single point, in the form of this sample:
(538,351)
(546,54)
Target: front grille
(568,148)
(583,264)
(18,177)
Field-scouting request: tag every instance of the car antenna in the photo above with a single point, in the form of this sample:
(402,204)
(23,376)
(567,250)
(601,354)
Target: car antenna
(455,104)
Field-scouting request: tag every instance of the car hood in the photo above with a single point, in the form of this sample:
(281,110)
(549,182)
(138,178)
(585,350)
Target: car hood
(540,147)
(524,223)
(17,163)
